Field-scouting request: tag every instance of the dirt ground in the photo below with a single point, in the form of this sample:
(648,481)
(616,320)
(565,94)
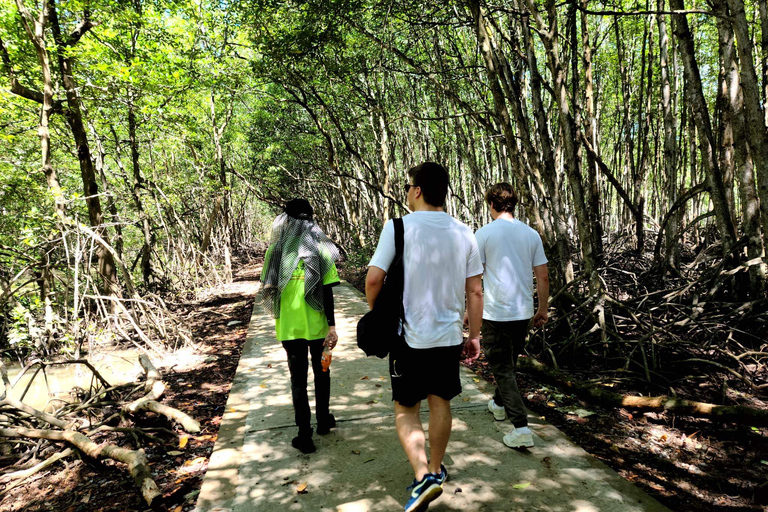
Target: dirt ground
(686,463)
(178,466)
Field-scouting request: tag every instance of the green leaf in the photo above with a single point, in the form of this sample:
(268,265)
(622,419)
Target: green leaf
(521,485)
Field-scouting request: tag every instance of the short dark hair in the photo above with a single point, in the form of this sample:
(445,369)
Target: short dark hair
(432,178)
(502,197)
(299,208)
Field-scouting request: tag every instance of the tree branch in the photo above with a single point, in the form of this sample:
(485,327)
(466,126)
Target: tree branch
(21,90)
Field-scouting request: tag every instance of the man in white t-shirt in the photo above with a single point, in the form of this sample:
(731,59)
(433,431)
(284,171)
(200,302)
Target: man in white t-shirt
(441,264)
(512,253)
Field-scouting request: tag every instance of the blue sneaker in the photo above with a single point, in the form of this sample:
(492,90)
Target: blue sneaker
(443,476)
(422,493)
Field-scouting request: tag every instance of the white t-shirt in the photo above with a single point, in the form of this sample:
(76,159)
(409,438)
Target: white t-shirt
(509,250)
(439,254)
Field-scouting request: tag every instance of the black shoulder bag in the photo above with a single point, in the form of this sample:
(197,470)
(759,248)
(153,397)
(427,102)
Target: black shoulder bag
(378,330)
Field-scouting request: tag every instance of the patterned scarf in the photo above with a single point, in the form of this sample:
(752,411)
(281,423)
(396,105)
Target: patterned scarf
(293,240)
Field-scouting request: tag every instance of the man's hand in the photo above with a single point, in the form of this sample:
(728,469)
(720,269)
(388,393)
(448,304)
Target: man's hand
(542,290)
(471,350)
(331,338)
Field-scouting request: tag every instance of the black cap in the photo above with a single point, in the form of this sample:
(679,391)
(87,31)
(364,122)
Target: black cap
(299,209)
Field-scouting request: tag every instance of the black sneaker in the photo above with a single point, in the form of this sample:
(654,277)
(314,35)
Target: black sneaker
(304,444)
(422,493)
(443,476)
(323,427)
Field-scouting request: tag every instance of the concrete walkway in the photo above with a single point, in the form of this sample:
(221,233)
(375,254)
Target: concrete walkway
(360,465)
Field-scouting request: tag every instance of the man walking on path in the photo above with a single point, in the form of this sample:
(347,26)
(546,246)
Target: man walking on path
(441,264)
(512,253)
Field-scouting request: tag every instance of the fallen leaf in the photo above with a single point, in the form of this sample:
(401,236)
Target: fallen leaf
(86,498)
(522,485)
(576,411)
(263,386)
(175,453)
(232,409)
(357,452)
(476,380)
(615,448)
(183,441)
(196,460)
(764,462)
(302,488)
(269,365)
(364,378)
(551,404)
(202,438)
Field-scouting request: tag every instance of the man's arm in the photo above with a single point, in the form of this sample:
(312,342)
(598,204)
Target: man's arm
(466,313)
(373,283)
(542,290)
(474,289)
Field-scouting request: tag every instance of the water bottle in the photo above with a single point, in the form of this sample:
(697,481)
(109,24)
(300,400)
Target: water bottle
(325,360)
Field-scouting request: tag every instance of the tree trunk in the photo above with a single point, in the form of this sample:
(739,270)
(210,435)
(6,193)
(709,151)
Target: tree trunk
(549,170)
(734,134)
(593,187)
(501,112)
(644,123)
(626,131)
(764,59)
(569,131)
(35,30)
(106,262)
(111,204)
(218,134)
(672,252)
(136,186)
(757,136)
(704,127)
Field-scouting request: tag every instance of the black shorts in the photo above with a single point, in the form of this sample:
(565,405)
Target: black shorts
(417,373)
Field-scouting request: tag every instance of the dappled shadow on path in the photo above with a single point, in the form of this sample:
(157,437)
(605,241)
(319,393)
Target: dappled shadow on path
(360,464)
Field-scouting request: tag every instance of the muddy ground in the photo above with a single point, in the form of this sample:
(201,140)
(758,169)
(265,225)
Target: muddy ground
(686,463)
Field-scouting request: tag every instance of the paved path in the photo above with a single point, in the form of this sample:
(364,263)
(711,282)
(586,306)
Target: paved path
(360,466)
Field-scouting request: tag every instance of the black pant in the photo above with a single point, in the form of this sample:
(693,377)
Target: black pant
(298,366)
(502,342)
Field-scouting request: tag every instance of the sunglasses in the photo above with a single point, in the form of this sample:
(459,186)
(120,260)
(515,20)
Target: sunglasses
(408,187)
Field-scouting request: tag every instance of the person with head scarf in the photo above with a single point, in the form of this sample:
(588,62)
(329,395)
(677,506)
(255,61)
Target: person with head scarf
(297,279)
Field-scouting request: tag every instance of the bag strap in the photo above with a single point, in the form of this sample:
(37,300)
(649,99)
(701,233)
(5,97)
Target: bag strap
(399,270)
(398,224)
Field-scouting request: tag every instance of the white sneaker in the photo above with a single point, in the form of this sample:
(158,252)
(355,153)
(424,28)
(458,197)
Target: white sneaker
(519,438)
(499,413)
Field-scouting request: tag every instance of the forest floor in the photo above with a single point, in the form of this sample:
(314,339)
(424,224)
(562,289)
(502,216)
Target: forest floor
(199,386)
(686,463)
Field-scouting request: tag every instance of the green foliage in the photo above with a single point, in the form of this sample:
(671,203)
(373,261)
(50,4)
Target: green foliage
(24,325)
